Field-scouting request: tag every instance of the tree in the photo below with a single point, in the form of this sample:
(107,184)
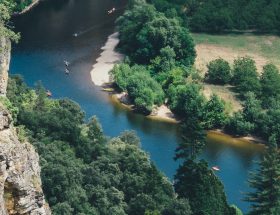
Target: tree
(62,209)
(5,15)
(214,113)
(237,125)
(219,72)
(130,137)
(252,112)
(194,139)
(95,132)
(269,123)
(186,100)
(165,61)
(120,74)
(194,181)
(177,207)
(144,32)
(245,76)
(266,183)
(270,84)
(142,89)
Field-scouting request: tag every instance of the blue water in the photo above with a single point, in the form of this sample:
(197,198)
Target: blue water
(47,40)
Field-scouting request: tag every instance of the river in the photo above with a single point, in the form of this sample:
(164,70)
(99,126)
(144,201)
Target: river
(47,39)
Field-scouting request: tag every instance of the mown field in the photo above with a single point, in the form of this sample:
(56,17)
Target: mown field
(262,48)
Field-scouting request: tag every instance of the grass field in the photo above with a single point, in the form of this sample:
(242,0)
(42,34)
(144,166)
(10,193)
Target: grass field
(263,48)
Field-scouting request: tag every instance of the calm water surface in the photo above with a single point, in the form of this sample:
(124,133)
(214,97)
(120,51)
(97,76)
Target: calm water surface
(47,40)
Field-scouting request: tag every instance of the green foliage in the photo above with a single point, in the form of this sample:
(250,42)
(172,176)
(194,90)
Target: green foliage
(186,100)
(194,139)
(266,184)
(178,207)
(224,15)
(237,125)
(202,187)
(121,73)
(252,108)
(245,76)
(12,109)
(269,123)
(130,137)
(6,8)
(237,210)
(145,34)
(165,62)
(270,84)
(21,4)
(82,171)
(219,72)
(143,90)
(214,113)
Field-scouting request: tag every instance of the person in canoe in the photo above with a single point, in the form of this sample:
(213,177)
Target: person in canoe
(112,10)
(66,63)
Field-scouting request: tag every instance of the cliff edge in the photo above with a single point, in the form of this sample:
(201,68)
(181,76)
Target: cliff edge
(20,183)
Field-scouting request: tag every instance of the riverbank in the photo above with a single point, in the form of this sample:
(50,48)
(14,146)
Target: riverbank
(105,63)
(162,113)
(233,140)
(100,77)
(28,8)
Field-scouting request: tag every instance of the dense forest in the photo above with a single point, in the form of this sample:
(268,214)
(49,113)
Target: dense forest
(224,15)
(85,172)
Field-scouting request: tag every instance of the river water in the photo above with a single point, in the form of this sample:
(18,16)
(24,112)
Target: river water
(47,39)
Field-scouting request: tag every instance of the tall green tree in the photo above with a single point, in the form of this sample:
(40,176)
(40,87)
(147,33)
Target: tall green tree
(265,198)
(186,100)
(270,84)
(202,187)
(214,113)
(193,139)
(245,76)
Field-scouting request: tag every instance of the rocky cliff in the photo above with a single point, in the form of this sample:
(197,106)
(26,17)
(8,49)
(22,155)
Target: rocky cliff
(20,183)
(5,48)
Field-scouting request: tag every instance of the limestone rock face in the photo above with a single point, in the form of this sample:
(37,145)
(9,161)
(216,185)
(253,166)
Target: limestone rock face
(20,182)
(5,54)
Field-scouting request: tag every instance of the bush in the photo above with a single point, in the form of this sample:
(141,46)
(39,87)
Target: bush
(270,84)
(237,125)
(245,76)
(219,72)
(186,100)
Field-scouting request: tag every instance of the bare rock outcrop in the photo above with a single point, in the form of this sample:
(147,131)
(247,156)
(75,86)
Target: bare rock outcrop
(20,183)
(5,54)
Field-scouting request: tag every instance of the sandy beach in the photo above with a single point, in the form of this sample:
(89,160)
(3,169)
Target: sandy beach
(162,113)
(105,63)
(100,77)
